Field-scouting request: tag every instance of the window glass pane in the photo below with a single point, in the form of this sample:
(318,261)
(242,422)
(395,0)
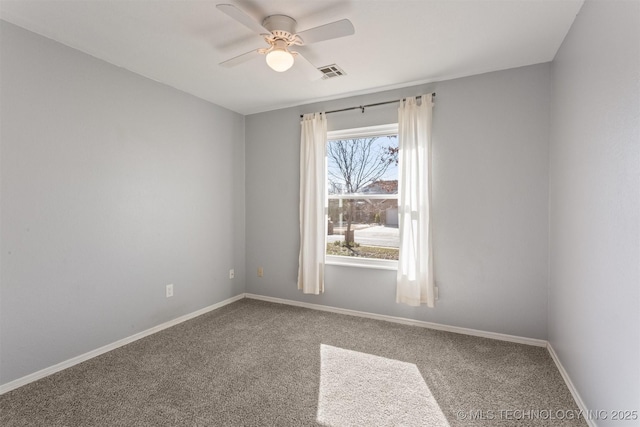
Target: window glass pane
(363,226)
(363,165)
(371,233)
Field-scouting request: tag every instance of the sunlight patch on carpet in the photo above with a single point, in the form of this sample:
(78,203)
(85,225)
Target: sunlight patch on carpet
(359,389)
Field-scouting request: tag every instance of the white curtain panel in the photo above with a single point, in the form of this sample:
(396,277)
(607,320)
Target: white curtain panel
(313,217)
(415,265)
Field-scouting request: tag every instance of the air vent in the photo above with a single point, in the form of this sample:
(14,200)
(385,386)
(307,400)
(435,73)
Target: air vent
(331,71)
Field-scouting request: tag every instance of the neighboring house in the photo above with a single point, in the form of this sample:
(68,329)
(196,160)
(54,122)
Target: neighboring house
(381,211)
(382,187)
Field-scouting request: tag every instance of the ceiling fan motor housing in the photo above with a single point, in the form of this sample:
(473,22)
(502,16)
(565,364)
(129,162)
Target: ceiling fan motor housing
(280,24)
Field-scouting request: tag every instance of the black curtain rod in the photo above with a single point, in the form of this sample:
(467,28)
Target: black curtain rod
(362,107)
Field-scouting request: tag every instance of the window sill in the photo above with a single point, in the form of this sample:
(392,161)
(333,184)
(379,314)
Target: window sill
(375,264)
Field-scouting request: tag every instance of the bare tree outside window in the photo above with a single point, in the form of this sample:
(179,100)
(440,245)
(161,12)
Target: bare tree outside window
(365,168)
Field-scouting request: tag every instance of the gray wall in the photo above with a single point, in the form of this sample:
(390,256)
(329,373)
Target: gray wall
(490,194)
(112,187)
(594,299)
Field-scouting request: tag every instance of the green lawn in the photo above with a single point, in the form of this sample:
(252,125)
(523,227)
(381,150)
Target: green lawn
(363,251)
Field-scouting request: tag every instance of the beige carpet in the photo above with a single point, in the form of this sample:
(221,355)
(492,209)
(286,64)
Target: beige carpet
(359,389)
(253,363)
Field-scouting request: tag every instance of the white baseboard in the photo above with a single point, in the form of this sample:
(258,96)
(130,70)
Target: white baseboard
(570,386)
(405,321)
(93,353)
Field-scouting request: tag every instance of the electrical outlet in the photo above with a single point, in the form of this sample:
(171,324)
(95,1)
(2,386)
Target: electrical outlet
(169,290)
(232,274)
(260,272)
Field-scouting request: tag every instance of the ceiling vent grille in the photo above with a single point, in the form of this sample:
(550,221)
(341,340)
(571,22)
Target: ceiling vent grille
(331,71)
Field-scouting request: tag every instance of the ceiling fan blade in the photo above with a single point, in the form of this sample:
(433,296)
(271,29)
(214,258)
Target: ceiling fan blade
(341,28)
(240,16)
(252,54)
(309,70)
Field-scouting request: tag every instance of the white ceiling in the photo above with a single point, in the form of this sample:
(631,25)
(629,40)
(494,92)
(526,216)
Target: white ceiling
(397,42)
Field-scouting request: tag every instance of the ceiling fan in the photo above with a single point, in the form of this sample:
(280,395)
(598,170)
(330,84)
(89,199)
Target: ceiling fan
(279,31)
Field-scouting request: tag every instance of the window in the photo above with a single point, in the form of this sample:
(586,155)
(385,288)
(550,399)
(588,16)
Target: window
(362,187)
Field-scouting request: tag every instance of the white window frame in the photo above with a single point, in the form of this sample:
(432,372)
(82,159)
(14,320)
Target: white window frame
(362,132)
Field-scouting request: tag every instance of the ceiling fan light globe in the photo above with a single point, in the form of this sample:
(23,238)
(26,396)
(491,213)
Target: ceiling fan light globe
(279,60)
